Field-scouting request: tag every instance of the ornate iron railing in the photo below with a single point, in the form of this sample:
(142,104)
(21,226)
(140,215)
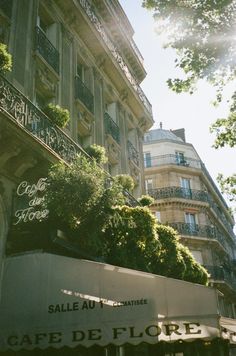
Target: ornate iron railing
(219,273)
(34,121)
(207,231)
(171,159)
(178,192)
(133,153)
(191,194)
(114,51)
(137,51)
(6,7)
(84,94)
(112,128)
(46,49)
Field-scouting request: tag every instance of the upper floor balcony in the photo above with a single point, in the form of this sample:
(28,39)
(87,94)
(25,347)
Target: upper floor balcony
(34,122)
(192,194)
(115,53)
(46,49)
(133,154)
(176,160)
(6,7)
(221,275)
(201,231)
(84,94)
(111,128)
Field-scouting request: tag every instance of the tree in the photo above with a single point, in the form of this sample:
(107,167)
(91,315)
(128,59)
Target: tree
(203,34)
(91,211)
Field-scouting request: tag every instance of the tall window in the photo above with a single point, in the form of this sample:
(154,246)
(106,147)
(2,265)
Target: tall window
(190,219)
(147,159)
(158,215)
(179,157)
(148,184)
(185,184)
(197,255)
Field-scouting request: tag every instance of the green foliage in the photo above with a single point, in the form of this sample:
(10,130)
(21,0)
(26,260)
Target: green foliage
(125,181)
(93,216)
(175,260)
(98,153)
(146,200)
(131,238)
(5,59)
(201,32)
(203,35)
(194,272)
(225,130)
(80,201)
(58,115)
(228,186)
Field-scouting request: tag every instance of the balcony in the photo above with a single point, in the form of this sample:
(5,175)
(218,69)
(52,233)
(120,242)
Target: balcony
(203,231)
(111,128)
(222,275)
(112,48)
(163,160)
(6,7)
(28,117)
(46,49)
(133,154)
(84,94)
(191,194)
(178,192)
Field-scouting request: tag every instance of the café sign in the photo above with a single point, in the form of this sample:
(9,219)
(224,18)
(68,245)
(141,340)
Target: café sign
(56,301)
(32,197)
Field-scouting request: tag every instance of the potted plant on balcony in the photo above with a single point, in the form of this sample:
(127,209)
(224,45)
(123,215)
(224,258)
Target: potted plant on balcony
(5,59)
(57,114)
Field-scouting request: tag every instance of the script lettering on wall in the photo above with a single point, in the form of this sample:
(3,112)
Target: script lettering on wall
(31,196)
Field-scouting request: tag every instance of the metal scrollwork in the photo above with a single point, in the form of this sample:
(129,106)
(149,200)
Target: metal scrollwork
(36,122)
(94,19)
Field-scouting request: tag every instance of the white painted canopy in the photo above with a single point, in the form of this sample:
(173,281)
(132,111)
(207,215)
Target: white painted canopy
(54,301)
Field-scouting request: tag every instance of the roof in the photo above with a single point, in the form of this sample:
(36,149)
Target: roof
(160,134)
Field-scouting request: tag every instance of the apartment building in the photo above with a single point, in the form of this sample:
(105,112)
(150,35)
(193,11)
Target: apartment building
(187,199)
(80,55)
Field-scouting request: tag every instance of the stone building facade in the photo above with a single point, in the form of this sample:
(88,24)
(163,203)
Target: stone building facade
(187,199)
(81,56)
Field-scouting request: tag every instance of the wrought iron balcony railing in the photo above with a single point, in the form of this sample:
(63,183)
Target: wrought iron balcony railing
(178,192)
(89,10)
(205,231)
(46,49)
(84,94)
(35,122)
(25,114)
(112,128)
(133,153)
(171,159)
(162,160)
(218,273)
(6,7)
(191,194)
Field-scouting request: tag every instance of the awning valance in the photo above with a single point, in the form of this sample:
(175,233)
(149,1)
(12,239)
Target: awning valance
(54,301)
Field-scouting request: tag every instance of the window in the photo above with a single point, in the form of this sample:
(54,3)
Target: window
(197,255)
(147,159)
(180,159)
(190,219)
(148,184)
(185,184)
(158,215)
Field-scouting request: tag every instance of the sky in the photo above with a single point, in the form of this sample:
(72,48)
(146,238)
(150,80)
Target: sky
(194,112)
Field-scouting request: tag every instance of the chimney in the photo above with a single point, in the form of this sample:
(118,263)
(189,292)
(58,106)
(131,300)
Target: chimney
(180,133)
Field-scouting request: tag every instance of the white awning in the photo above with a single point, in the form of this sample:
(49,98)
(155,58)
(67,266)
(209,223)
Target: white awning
(54,301)
(228,327)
